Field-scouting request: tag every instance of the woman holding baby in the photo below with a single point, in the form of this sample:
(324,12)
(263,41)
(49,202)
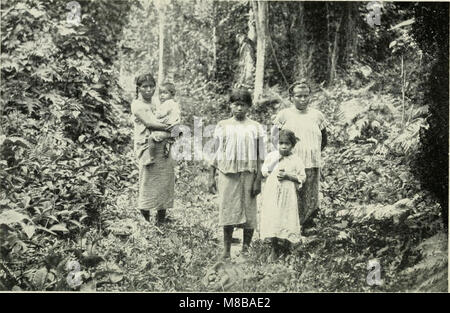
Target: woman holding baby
(153,121)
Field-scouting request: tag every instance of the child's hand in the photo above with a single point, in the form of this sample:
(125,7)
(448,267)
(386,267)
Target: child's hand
(256,187)
(282,175)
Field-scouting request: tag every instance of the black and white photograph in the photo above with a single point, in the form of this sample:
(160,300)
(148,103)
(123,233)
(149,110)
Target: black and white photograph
(244,148)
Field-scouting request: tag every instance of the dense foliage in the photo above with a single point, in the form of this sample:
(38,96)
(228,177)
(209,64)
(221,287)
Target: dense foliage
(60,127)
(432,35)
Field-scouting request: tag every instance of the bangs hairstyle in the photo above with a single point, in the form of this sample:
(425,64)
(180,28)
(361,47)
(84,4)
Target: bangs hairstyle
(141,79)
(300,83)
(169,87)
(289,135)
(241,96)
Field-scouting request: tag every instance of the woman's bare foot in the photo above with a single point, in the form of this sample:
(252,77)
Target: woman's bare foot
(273,256)
(160,217)
(225,256)
(169,220)
(146,215)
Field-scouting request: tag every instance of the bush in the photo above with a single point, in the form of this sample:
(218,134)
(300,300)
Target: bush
(61,124)
(431,32)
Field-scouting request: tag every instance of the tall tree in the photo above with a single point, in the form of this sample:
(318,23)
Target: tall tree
(161,6)
(246,66)
(302,60)
(261,11)
(334,22)
(214,44)
(349,33)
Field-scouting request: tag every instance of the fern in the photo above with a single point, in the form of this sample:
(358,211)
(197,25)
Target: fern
(431,273)
(408,138)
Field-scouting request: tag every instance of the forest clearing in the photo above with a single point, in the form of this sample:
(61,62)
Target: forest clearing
(69,180)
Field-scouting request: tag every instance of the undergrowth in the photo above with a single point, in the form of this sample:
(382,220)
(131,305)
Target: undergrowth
(372,210)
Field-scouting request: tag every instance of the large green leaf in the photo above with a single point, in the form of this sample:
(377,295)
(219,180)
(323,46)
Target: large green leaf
(89,286)
(94,94)
(12,216)
(18,141)
(39,278)
(59,227)
(65,31)
(46,230)
(29,230)
(36,13)
(116,273)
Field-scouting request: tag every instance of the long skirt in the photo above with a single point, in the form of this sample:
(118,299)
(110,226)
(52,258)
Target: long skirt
(157,181)
(236,205)
(279,210)
(309,195)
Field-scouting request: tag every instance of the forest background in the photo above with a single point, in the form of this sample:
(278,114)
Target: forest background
(68,176)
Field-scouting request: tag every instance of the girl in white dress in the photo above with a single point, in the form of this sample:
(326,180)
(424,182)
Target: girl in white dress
(285,174)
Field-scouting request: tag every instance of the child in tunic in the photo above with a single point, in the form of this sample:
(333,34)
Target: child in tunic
(238,143)
(168,112)
(285,174)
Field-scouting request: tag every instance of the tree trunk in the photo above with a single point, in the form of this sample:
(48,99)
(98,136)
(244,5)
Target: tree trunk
(402,75)
(330,47)
(214,35)
(261,10)
(350,33)
(335,52)
(333,48)
(251,25)
(302,60)
(245,74)
(161,7)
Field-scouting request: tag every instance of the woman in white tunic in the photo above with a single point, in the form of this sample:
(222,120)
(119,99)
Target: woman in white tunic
(309,125)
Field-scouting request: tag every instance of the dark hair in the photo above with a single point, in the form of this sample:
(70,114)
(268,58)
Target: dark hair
(169,87)
(141,79)
(299,83)
(289,135)
(242,96)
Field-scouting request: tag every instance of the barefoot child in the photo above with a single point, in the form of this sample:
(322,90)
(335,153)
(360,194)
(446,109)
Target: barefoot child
(279,211)
(237,158)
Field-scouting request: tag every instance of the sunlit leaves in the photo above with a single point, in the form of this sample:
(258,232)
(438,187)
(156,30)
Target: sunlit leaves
(59,227)
(8,63)
(39,278)
(11,217)
(66,31)
(29,230)
(45,73)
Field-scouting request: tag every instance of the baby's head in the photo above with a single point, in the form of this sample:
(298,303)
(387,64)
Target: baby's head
(166,91)
(287,142)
